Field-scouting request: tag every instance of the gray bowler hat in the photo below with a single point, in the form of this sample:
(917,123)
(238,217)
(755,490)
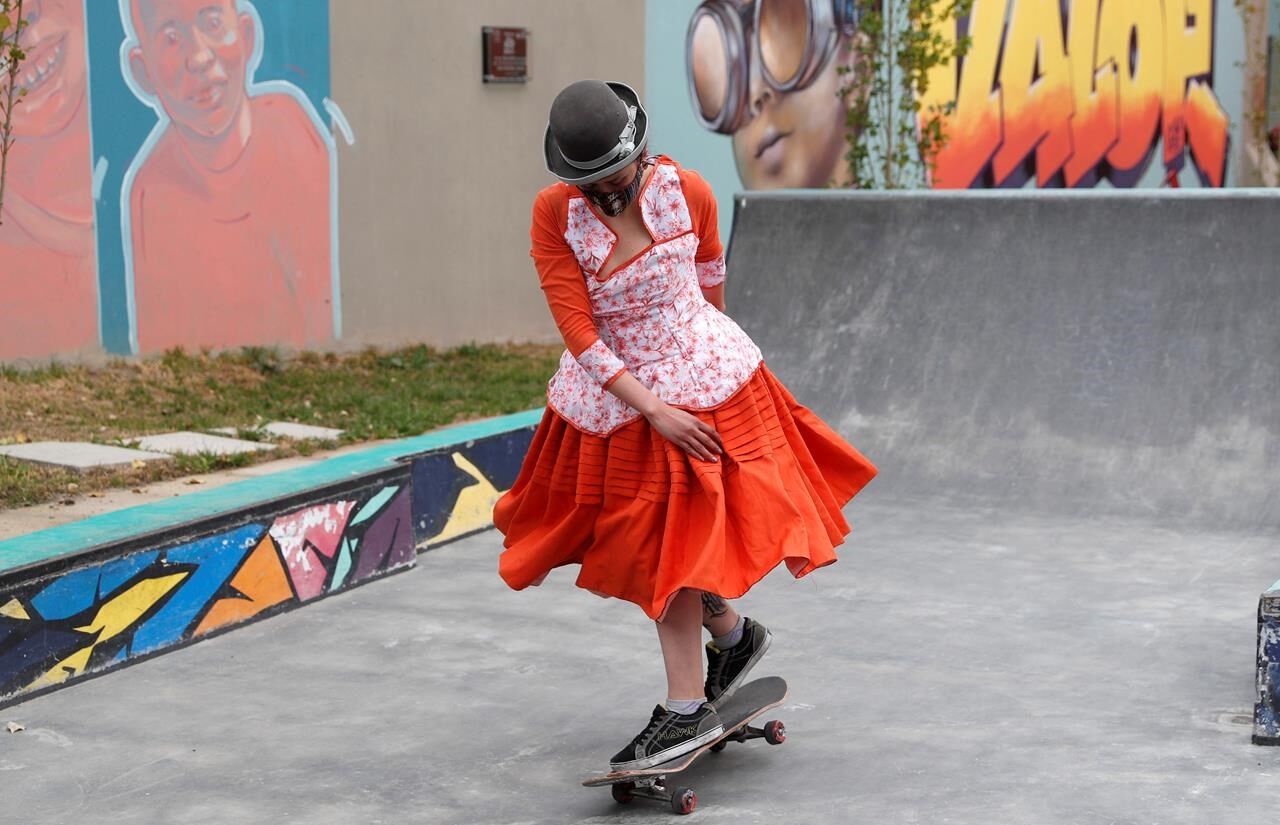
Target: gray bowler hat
(595,129)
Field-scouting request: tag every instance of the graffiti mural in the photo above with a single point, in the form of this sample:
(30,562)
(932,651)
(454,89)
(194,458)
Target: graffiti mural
(1055,92)
(1266,710)
(95,617)
(227,209)
(48,271)
(786,132)
(58,626)
(1073,91)
(454,492)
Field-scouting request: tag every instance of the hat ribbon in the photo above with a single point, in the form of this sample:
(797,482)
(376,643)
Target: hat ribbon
(626,145)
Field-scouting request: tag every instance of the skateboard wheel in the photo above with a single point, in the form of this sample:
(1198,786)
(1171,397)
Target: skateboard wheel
(775,733)
(684,800)
(719,746)
(622,792)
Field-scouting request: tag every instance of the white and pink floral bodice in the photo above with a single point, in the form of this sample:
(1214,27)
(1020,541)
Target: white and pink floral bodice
(651,317)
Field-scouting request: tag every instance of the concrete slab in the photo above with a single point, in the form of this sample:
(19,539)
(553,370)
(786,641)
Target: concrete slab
(290,429)
(78,455)
(958,666)
(286,429)
(188,442)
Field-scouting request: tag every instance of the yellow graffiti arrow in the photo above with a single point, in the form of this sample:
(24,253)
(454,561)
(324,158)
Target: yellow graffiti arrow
(474,508)
(14,610)
(112,619)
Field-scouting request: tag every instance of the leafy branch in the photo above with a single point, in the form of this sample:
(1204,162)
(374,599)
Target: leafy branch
(11,56)
(893,140)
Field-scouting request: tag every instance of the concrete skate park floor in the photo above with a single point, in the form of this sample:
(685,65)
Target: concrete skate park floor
(955,666)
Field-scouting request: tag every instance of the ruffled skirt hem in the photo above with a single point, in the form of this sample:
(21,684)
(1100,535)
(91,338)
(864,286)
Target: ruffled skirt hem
(645,520)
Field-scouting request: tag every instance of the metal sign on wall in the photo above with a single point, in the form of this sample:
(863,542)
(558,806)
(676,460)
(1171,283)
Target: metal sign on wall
(506,54)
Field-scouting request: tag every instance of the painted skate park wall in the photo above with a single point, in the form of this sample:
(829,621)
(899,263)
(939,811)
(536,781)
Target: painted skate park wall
(175,177)
(1077,93)
(100,253)
(108,591)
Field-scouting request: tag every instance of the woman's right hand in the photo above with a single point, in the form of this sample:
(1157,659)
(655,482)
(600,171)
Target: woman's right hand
(687,432)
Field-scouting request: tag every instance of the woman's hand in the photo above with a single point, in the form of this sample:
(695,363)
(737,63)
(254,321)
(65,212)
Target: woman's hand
(687,432)
(674,424)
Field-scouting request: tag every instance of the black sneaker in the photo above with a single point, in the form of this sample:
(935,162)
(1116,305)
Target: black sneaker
(668,736)
(727,669)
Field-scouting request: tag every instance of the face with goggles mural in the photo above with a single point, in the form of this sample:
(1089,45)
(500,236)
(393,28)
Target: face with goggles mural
(766,72)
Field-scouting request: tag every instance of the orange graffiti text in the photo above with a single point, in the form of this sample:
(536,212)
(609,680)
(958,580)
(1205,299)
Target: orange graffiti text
(1089,93)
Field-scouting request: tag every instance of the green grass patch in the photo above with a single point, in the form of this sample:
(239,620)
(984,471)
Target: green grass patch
(373,394)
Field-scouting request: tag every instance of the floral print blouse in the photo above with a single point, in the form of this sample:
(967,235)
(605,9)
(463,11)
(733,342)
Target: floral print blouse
(649,316)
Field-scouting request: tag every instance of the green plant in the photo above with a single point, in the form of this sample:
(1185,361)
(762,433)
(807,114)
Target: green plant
(266,360)
(11,56)
(1254,16)
(893,139)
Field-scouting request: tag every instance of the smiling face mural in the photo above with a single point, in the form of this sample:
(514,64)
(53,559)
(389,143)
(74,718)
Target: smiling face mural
(227,208)
(158,194)
(48,276)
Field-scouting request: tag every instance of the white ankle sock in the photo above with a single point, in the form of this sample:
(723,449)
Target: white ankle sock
(731,638)
(684,707)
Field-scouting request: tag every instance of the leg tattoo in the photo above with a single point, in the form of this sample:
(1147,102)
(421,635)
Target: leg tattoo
(712,606)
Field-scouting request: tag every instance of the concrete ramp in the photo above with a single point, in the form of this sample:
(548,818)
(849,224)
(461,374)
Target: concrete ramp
(1079,353)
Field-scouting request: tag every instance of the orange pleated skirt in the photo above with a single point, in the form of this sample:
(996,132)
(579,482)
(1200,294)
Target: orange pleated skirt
(644,519)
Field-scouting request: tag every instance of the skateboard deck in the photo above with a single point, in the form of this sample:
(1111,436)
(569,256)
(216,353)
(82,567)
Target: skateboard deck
(745,706)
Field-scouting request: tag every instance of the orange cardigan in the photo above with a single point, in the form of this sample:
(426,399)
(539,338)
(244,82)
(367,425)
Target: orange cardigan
(563,281)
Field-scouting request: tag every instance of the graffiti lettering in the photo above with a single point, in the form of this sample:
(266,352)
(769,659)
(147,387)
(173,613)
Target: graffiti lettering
(1073,90)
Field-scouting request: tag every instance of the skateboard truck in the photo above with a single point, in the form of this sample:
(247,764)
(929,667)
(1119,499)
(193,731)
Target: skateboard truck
(775,733)
(682,800)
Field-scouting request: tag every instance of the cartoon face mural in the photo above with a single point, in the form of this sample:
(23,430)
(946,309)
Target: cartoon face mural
(48,277)
(766,72)
(227,208)
(1065,92)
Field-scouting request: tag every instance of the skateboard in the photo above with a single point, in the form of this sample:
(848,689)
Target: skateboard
(749,702)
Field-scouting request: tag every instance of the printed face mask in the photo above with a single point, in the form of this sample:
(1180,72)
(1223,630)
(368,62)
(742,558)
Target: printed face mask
(614,204)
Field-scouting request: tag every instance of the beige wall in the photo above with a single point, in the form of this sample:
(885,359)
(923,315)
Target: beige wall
(435,194)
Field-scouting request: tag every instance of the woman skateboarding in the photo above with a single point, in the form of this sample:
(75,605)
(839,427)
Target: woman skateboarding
(670,464)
